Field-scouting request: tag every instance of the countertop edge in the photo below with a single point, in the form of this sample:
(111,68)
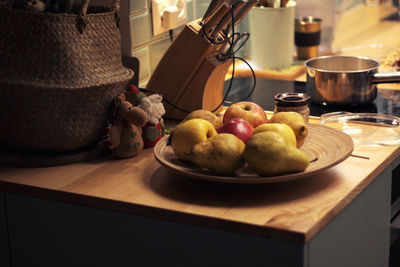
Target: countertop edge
(153,212)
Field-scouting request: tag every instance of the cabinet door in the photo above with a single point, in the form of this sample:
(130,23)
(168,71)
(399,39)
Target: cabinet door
(4,251)
(51,233)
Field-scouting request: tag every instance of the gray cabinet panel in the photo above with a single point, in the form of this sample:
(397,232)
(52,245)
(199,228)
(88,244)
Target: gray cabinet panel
(4,251)
(360,234)
(50,233)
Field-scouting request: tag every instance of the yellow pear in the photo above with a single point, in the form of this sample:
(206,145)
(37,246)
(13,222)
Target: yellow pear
(189,133)
(205,115)
(220,153)
(295,121)
(268,154)
(201,114)
(285,130)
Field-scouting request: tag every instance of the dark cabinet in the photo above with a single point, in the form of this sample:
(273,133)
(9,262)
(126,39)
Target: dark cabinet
(4,250)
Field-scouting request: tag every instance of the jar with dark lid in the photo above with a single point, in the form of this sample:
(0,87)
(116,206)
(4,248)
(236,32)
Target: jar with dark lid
(297,102)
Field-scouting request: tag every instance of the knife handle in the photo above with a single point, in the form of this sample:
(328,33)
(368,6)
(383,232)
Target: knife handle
(243,12)
(210,10)
(227,19)
(214,19)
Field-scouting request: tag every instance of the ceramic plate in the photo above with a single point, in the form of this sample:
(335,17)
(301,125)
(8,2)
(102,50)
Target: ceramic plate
(325,146)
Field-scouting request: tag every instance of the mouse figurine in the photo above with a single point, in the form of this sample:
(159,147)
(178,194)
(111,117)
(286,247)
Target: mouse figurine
(125,134)
(35,6)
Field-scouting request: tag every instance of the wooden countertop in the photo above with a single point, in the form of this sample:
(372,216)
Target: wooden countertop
(365,25)
(293,211)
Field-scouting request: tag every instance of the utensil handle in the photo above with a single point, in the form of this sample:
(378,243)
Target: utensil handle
(215,18)
(227,19)
(212,7)
(246,8)
(386,77)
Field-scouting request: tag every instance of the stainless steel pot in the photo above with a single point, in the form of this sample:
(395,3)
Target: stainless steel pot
(345,79)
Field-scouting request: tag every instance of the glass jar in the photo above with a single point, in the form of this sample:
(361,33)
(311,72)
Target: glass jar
(297,102)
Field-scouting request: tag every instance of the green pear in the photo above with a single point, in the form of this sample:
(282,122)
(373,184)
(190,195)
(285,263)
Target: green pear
(221,153)
(269,153)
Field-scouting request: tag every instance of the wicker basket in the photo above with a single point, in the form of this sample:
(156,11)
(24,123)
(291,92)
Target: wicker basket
(58,76)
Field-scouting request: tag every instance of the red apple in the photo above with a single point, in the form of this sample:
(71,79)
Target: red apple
(239,127)
(249,111)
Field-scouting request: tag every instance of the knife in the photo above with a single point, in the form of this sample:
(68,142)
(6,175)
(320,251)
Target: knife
(212,22)
(227,19)
(244,10)
(212,7)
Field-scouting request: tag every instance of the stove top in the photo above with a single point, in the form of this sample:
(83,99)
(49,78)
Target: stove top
(387,101)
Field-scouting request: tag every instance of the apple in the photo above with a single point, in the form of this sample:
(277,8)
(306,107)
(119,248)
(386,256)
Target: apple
(238,127)
(249,111)
(189,133)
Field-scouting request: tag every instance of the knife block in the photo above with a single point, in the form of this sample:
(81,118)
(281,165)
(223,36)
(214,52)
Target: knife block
(189,75)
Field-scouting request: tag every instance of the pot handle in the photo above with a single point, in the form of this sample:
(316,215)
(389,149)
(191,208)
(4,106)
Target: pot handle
(386,77)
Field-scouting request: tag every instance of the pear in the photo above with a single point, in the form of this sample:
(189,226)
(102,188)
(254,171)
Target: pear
(268,154)
(189,133)
(201,114)
(205,115)
(285,130)
(221,153)
(295,121)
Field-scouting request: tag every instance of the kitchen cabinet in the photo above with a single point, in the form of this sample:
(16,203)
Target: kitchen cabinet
(50,233)
(4,251)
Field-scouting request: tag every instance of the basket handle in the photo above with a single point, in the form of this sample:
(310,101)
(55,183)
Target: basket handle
(85,4)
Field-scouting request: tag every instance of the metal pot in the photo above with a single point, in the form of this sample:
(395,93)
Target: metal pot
(345,80)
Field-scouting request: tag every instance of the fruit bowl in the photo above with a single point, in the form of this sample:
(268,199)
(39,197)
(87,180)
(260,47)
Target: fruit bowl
(325,146)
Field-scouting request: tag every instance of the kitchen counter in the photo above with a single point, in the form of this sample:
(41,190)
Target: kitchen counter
(296,212)
(293,211)
(136,212)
